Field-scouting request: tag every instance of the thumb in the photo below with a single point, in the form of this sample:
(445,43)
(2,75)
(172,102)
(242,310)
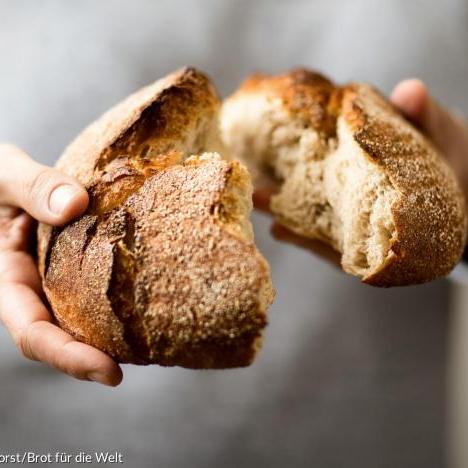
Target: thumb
(414,100)
(444,128)
(46,194)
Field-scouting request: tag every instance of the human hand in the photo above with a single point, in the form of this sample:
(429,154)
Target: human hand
(53,198)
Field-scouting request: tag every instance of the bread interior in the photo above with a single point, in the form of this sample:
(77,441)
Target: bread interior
(328,188)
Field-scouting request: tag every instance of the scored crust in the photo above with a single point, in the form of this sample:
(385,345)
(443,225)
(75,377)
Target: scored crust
(162,267)
(352,172)
(174,113)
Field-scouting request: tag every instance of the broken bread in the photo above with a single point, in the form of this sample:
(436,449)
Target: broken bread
(350,171)
(162,267)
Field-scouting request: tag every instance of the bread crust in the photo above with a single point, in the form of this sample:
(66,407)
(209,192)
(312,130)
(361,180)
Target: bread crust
(168,108)
(429,213)
(305,94)
(162,267)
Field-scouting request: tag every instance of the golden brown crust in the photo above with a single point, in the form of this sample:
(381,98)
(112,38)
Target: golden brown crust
(160,268)
(170,108)
(306,94)
(429,214)
(174,109)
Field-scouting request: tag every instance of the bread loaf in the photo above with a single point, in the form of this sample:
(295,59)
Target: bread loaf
(162,267)
(352,172)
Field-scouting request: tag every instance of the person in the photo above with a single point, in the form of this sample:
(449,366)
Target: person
(31,191)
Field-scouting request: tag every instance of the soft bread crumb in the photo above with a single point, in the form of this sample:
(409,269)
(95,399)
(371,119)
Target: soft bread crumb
(361,197)
(329,189)
(258,130)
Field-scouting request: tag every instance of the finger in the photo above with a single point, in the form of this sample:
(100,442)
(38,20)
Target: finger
(446,130)
(28,321)
(261,199)
(412,98)
(45,193)
(19,267)
(265,188)
(315,246)
(415,101)
(8,212)
(45,342)
(14,230)
(21,310)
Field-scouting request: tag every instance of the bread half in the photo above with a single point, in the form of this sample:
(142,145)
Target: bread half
(352,172)
(162,268)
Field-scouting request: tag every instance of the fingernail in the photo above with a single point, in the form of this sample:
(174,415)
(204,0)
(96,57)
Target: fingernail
(61,197)
(97,377)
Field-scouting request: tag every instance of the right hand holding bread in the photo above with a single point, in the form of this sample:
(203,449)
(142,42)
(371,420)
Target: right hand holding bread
(352,172)
(449,132)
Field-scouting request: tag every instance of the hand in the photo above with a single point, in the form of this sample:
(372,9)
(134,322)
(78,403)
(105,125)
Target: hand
(54,198)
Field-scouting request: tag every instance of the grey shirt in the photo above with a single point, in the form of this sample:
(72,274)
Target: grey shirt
(349,375)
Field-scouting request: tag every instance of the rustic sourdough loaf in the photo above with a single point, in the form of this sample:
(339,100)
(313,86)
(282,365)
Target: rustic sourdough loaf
(350,171)
(162,267)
